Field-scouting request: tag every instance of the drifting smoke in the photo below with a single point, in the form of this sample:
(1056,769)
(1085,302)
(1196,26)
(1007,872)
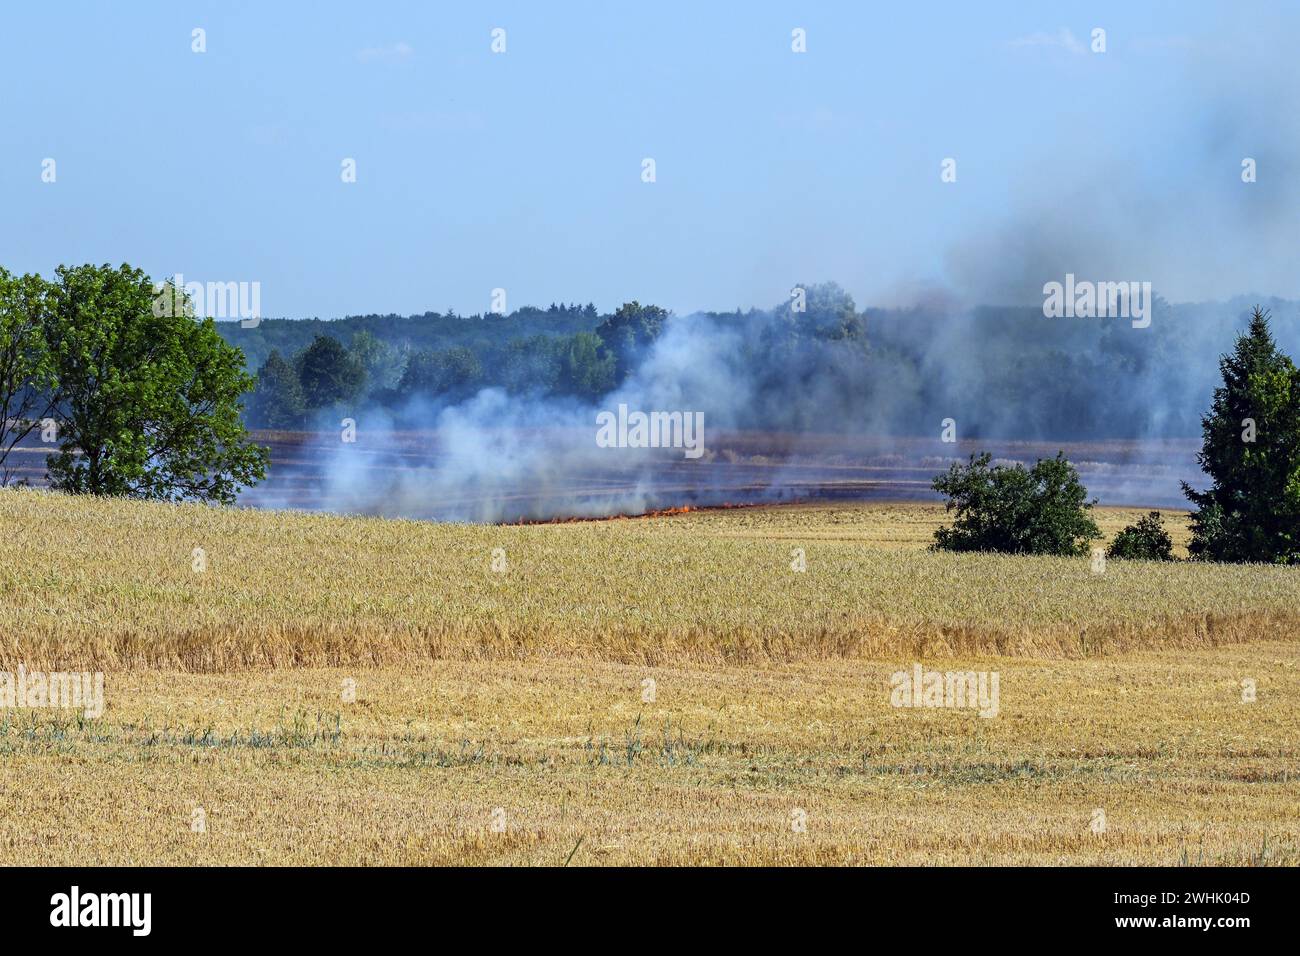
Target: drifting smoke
(504,457)
(831,402)
(853,402)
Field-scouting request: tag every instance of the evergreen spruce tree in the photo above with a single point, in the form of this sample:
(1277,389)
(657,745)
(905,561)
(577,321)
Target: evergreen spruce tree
(1251,452)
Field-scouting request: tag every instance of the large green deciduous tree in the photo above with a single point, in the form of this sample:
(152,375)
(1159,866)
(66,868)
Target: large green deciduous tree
(26,375)
(148,396)
(1041,510)
(1251,452)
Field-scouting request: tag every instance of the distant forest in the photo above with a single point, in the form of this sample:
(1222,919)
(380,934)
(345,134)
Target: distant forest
(1000,372)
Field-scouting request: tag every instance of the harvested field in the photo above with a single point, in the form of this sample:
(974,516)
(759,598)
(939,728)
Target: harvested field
(662,691)
(111,584)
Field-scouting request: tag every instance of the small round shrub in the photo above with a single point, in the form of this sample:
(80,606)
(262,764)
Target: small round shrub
(1145,541)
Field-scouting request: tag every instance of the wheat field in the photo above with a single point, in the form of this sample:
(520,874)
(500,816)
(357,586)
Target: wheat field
(322,689)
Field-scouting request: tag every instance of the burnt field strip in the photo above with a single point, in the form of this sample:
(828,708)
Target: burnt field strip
(412,474)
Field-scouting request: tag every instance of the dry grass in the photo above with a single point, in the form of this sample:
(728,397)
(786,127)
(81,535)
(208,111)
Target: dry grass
(890,525)
(523,690)
(412,771)
(110,585)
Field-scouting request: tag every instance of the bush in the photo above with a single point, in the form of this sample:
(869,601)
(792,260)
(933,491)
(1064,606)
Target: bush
(1042,510)
(1145,541)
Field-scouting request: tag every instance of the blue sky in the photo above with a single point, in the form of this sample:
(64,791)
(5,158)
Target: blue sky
(522,170)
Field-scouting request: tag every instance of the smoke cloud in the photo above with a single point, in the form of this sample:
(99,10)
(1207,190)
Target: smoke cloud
(843,400)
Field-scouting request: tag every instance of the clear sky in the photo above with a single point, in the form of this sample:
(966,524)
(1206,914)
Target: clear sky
(522,170)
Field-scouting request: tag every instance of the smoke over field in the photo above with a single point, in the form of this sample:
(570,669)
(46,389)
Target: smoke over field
(822,395)
(829,402)
(557,473)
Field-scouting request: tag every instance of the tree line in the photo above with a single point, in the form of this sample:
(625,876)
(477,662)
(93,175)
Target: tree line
(1005,372)
(144,402)
(367,371)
